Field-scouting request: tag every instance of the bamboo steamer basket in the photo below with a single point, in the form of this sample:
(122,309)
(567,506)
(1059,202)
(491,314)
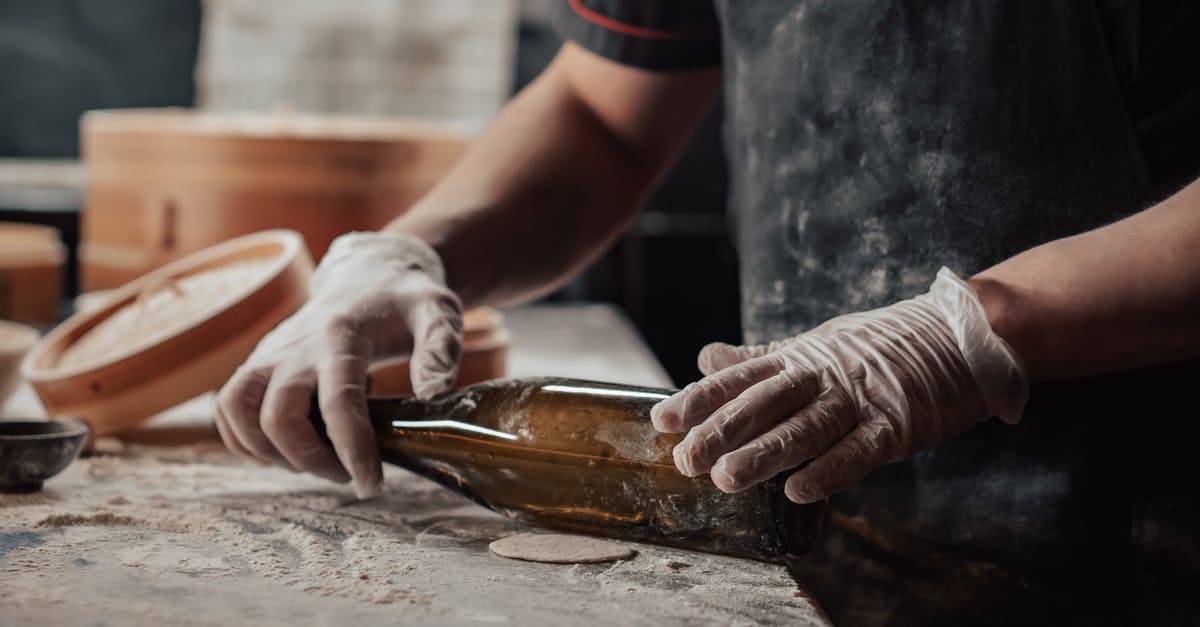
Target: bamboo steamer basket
(484,357)
(31,273)
(162,183)
(119,389)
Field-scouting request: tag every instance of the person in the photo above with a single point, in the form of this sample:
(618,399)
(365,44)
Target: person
(944,214)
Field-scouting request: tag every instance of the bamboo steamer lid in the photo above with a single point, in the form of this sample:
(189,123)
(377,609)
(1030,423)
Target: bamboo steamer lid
(484,356)
(31,270)
(171,335)
(162,183)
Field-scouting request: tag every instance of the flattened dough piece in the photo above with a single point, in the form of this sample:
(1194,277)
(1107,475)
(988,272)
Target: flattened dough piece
(559,549)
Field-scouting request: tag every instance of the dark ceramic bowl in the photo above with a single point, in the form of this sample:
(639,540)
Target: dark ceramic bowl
(32,451)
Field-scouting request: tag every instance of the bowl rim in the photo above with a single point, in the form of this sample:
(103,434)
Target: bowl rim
(74,428)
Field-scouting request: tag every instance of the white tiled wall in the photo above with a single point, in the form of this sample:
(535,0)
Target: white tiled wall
(424,58)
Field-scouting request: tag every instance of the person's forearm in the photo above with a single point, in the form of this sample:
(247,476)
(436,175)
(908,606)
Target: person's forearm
(1123,296)
(549,185)
(541,192)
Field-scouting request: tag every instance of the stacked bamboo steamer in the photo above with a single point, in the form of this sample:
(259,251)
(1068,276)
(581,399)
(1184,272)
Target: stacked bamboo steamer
(31,273)
(169,186)
(163,183)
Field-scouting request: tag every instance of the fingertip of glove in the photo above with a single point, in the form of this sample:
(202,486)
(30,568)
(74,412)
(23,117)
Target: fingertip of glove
(800,494)
(723,479)
(715,346)
(708,358)
(683,460)
(368,490)
(432,377)
(428,389)
(664,420)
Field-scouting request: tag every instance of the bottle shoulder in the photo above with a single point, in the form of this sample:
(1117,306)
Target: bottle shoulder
(566,416)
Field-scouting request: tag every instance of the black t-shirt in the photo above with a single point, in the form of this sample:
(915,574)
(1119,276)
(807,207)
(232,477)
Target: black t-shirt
(872,142)
(785,66)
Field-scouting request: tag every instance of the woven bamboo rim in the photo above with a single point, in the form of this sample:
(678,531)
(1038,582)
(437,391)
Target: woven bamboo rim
(123,389)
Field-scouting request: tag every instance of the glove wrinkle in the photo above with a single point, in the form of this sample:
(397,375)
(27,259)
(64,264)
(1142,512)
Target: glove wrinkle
(803,435)
(373,296)
(891,382)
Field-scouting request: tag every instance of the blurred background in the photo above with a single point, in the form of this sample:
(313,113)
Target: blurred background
(436,61)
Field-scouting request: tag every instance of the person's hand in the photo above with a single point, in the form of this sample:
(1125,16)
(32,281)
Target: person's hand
(374,295)
(856,392)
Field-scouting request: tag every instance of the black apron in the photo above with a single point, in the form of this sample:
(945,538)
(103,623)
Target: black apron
(873,142)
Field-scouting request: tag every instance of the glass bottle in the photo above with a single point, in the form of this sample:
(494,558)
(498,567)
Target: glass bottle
(582,456)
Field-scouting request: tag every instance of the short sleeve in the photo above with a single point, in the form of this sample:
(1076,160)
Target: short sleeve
(663,35)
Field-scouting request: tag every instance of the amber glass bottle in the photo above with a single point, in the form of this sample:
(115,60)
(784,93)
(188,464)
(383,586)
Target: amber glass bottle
(582,456)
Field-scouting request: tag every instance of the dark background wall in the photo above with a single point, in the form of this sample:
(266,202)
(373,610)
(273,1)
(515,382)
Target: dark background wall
(675,273)
(59,58)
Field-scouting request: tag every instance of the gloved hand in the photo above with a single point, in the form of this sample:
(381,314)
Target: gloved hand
(857,392)
(373,296)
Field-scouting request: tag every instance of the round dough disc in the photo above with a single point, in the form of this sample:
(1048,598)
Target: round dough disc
(560,549)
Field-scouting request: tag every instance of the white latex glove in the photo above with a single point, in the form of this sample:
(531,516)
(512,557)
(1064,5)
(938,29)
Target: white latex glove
(857,392)
(373,296)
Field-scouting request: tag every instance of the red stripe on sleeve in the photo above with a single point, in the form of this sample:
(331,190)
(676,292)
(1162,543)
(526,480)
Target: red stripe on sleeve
(603,21)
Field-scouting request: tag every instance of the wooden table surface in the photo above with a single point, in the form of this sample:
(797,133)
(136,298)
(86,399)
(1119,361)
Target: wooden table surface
(165,527)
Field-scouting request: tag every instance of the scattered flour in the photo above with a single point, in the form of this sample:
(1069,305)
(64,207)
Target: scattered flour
(187,534)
